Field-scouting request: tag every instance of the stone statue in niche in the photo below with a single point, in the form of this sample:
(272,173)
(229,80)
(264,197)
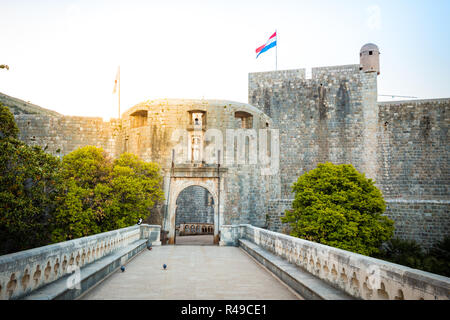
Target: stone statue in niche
(197,137)
(197,120)
(196,146)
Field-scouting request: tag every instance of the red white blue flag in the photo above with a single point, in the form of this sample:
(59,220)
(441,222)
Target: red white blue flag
(272,42)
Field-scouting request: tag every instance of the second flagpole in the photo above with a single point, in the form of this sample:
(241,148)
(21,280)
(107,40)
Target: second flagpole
(276,51)
(119,92)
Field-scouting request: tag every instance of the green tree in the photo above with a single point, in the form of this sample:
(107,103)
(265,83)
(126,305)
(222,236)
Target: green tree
(103,195)
(29,186)
(8,127)
(136,188)
(45,200)
(337,206)
(88,166)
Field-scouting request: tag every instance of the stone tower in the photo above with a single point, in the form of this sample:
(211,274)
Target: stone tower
(369,58)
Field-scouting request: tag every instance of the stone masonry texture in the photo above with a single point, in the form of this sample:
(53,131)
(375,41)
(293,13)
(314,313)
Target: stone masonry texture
(195,205)
(334,116)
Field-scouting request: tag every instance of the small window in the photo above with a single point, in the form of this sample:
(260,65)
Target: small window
(138,118)
(370,53)
(197,117)
(244,119)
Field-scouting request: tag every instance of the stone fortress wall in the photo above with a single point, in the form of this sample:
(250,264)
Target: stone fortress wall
(60,134)
(325,118)
(63,134)
(412,167)
(334,116)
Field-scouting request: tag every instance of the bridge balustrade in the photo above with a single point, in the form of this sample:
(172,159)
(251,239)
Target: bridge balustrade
(25,271)
(360,276)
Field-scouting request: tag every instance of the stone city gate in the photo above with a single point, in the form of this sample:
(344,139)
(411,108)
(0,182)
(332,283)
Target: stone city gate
(182,177)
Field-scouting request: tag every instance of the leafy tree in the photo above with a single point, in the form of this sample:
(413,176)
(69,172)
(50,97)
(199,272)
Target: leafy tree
(8,127)
(88,166)
(29,185)
(337,206)
(405,252)
(103,195)
(45,200)
(136,188)
(409,253)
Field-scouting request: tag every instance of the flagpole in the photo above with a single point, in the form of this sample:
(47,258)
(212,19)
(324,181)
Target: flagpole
(276,52)
(119,92)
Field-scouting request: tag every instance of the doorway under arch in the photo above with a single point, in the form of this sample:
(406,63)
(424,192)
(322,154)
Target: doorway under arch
(184,177)
(194,216)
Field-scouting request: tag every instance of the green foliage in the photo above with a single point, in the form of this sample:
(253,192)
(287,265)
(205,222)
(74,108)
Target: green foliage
(337,206)
(409,253)
(45,200)
(136,186)
(103,195)
(8,127)
(29,185)
(405,252)
(88,166)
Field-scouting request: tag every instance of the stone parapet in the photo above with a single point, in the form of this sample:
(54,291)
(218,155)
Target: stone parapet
(23,272)
(360,276)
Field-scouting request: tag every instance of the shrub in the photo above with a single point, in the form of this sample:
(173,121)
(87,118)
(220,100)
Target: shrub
(102,194)
(45,200)
(337,206)
(409,253)
(405,252)
(8,127)
(29,186)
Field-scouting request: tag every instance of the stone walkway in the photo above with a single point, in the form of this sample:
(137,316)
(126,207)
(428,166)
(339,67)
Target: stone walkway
(193,272)
(201,240)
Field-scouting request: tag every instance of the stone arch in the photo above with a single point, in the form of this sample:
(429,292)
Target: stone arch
(176,187)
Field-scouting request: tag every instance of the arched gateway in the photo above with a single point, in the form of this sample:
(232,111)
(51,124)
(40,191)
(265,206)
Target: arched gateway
(222,146)
(185,177)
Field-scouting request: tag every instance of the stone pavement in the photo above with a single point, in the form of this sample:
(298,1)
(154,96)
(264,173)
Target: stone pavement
(197,240)
(193,272)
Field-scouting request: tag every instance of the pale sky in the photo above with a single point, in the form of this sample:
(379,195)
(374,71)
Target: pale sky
(63,55)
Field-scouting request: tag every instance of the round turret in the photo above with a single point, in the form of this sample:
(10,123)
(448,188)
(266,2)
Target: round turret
(369,58)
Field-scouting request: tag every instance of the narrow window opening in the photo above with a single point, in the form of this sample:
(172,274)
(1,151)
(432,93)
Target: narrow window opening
(138,119)
(244,120)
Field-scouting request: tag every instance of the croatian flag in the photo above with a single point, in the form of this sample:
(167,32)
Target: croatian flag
(272,42)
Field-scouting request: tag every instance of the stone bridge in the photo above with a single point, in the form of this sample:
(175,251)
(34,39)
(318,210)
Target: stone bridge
(248,263)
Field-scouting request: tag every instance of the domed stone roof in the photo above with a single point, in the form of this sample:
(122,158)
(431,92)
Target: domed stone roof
(369,47)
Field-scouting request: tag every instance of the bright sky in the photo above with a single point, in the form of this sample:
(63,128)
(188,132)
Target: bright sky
(63,55)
